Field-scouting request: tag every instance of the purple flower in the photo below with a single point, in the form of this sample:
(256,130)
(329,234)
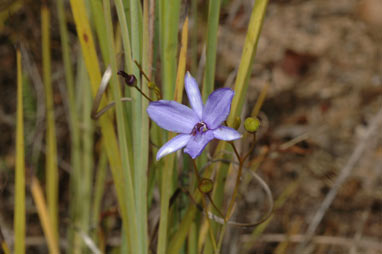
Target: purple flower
(197,126)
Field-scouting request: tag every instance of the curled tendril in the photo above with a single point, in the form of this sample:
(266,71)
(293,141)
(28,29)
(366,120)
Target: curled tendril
(219,218)
(267,190)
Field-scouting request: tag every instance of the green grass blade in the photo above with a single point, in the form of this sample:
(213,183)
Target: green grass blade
(247,57)
(86,170)
(19,219)
(125,35)
(194,37)
(168,168)
(137,112)
(131,225)
(167,174)
(100,27)
(212,36)
(168,37)
(99,188)
(133,52)
(129,69)
(51,142)
(107,129)
(192,243)
(168,22)
(141,166)
(75,183)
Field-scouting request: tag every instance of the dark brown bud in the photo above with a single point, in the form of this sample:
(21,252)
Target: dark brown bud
(129,79)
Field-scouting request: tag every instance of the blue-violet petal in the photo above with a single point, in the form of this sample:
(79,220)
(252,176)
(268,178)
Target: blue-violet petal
(174,144)
(217,107)
(197,143)
(172,116)
(193,94)
(226,133)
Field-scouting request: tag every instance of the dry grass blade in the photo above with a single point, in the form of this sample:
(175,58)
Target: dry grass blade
(182,63)
(19,219)
(44,216)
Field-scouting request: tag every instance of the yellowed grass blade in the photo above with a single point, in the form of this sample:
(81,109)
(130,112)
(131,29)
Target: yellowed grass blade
(44,216)
(19,219)
(51,142)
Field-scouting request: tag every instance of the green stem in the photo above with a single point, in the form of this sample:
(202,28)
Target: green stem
(205,207)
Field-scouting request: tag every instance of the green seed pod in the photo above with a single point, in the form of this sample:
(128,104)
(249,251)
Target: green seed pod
(251,124)
(236,123)
(206,185)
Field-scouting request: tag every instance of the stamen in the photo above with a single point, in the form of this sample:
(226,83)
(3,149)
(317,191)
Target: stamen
(198,128)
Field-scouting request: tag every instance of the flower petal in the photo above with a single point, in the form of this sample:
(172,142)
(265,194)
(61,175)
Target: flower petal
(197,143)
(172,116)
(193,94)
(217,107)
(178,142)
(226,133)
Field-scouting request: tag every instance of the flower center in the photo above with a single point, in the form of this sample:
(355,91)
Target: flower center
(198,128)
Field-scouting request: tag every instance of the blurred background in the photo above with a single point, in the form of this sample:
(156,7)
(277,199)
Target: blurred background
(321,63)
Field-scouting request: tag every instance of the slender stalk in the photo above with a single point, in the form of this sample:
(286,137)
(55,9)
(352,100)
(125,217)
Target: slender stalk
(51,142)
(19,218)
(142,93)
(205,207)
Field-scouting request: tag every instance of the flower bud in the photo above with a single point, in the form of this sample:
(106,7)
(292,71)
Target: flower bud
(206,185)
(251,124)
(129,79)
(236,123)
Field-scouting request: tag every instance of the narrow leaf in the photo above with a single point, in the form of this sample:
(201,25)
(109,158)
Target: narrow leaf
(19,219)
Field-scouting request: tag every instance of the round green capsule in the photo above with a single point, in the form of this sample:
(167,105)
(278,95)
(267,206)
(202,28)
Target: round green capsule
(251,124)
(206,185)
